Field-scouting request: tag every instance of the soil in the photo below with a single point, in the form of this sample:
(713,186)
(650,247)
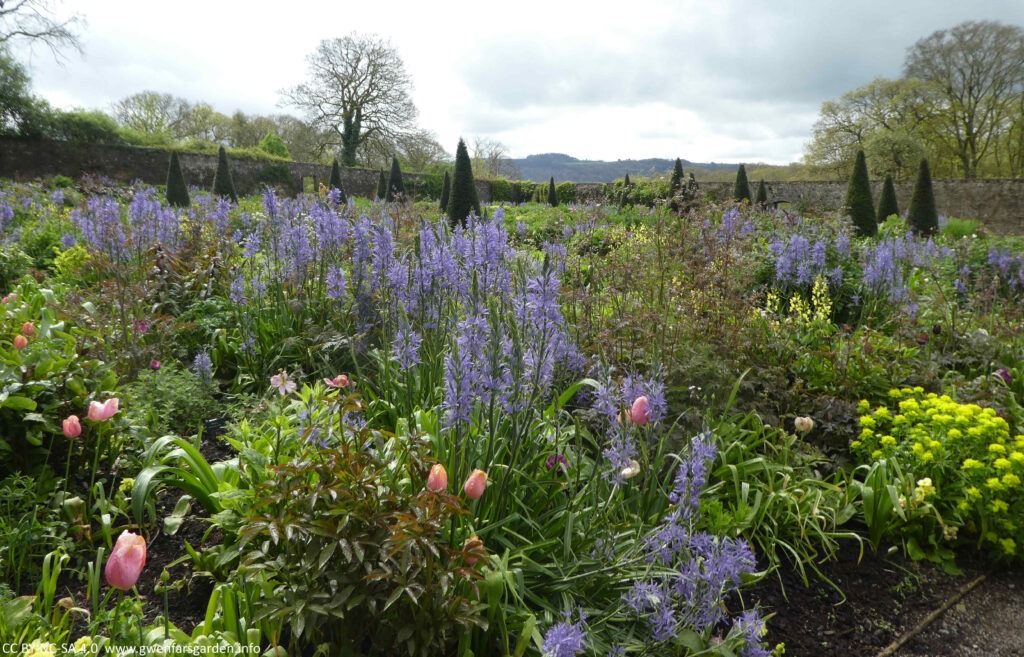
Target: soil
(884,597)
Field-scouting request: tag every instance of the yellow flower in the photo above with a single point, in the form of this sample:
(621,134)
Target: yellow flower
(863,406)
(924,489)
(41,649)
(1011,480)
(84,644)
(866,433)
(996,448)
(883,413)
(934,445)
(867,421)
(972,464)
(894,393)
(1002,464)
(927,457)
(1009,547)
(1017,457)
(877,454)
(974,493)
(888,441)
(954,433)
(999,506)
(994,483)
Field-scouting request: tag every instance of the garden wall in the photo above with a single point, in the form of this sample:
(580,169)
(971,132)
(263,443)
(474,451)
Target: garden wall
(31,159)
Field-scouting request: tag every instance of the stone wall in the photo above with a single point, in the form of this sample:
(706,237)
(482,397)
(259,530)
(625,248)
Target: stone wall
(29,160)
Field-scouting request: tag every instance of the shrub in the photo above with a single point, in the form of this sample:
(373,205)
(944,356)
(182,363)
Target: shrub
(84,127)
(566,192)
(382,186)
(675,184)
(463,195)
(177,192)
(274,145)
(335,181)
(396,187)
(887,205)
(446,189)
(923,218)
(741,190)
(223,185)
(552,194)
(171,400)
(762,194)
(956,229)
(276,175)
(859,204)
(501,190)
(14,264)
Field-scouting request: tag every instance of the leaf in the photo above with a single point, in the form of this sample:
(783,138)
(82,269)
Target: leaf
(19,403)
(172,523)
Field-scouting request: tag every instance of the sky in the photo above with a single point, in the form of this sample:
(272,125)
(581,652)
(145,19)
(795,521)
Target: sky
(707,81)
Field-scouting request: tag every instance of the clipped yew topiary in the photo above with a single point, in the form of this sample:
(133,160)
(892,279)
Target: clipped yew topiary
(335,182)
(446,190)
(887,203)
(382,186)
(923,218)
(177,192)
(396,186)
(675,185)
(626,198)
(762,195)
(463,196)
(223,185)
(859,204)
(741,190)
(552,194)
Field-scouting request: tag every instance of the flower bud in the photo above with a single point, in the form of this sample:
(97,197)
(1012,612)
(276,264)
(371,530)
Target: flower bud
(437,481)
(475,485)
(803,424)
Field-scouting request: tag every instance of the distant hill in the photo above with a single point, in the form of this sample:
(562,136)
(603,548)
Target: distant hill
(539,168)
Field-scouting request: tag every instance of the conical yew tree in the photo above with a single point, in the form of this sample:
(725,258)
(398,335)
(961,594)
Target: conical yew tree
(177,192)
(446,190)
(762,195)
(382,186)
(223,185)
(463,197)
(741,190)
(335,182)
(552,194)
(396,186)
(887,205)
(923,218)
(859,204)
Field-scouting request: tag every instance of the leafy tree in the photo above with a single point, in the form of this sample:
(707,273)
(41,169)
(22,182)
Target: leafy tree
(463,197)
(741,190)
(923,217)
(382,185)
(859,203)
(675,185)
(552,194)
(762,195)
(396,186)
(21,113)
(977,67)
(887,203)
(274,145)
(177,192)
(335,180)
(357,91)
(223,185)
(446,189)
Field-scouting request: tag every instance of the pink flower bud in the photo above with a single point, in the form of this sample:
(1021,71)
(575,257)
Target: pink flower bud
(28,329)
(340,381)
(437,481)
(102,412)
(640,413)
(476,484)
(72,426)
(154,364)
(126,561)
(20,342)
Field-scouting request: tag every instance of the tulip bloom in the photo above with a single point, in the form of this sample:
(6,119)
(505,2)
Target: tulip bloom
(28,329)
(475,485)
(72,426)
(126,561)
(20,342)
(102,412)
(437,481)
(154,364)
(340,381)
(640,413)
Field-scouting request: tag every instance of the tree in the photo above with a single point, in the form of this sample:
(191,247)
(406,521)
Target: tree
(36,22)
(420,149)
(922,217)
(335,181)
(463,197)
(382,185)
(675,184)
(177,192)
(396,186)
(357,90)
(491,160)
(741,190)
(887,205)
(762,195)
(859,204)
(274,145)
(21,113)
(150,112)
(625,199)
(223,185)
(977,69)
(446,189)
(552,194)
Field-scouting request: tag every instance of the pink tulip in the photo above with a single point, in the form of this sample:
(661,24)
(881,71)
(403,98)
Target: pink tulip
(28,329)
(154,364)
(102,412)
(126,561)
(641,411)
(72,427)
(20,342)
(437,481)
(340,381)
(475,485)
(474,548)
(5,300)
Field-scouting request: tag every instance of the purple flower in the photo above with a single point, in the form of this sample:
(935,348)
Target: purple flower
(565,639)
(1005,375)
(751,627)
(557,461)
(406,348)
(203,366)
(336,284)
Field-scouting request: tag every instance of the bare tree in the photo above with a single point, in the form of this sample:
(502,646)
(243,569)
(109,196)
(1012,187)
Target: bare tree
(491,160)
(421,149)
(977,68)
(358,91)
(35,21)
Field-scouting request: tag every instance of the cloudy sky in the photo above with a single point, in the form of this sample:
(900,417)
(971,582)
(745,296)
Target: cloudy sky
(709,80)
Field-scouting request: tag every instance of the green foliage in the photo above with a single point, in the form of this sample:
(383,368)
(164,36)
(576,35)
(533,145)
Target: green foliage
(223,185)
(859,204)
(14,263)
(566,192)
(335,181)
(463,195)
(446,190)
(177,192)
(552,194)
(396,186)
(382,186)
(275,174)
(274,145)
(675,184)
(887,205)
(171,400)
(31,526)
(84,127)
(762,195)
(923,218)
(956,228)
(741,190)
